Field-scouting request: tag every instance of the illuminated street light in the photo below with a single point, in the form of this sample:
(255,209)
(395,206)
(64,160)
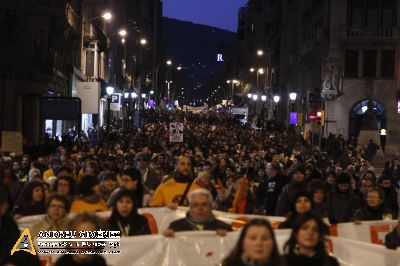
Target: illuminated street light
(169,62)
(261,71)
(235,81)
(293,96)
(252,69)
(179,68)
(122,32)
(151,92)
(260,52)
(255,97)
(133,95)
(126,95)
(107,16)
(143,95)
(263,98)
(123,40)
(249,95)
(143,41)
(277,99)
(110,90)
(228,81)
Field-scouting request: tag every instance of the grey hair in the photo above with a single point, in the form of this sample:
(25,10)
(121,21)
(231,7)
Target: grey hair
(204,192)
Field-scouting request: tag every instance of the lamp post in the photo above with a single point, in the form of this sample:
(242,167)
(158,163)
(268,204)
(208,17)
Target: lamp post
(264,108)
(255,97)
(276,99)
(260,71)
(110,91)
(232,83)
(292,97)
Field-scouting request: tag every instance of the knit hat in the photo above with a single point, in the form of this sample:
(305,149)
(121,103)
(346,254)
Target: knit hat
(316,184)
(300,169)
(343,179)
(296,197)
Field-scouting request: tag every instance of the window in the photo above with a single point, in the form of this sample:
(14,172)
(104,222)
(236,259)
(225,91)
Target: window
(90,63)
(387,64)
(372,13)
(388,13)
(351,63)
(356,13)
(369,65)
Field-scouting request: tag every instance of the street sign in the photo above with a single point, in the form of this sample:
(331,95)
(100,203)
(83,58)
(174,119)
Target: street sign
(176,132)
(115,102)
(293,118)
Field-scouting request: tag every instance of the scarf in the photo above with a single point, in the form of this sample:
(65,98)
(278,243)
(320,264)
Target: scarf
(198,225)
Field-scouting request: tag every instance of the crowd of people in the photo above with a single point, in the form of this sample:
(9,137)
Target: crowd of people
(221,165)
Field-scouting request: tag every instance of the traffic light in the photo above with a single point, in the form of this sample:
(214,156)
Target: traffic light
(320,118)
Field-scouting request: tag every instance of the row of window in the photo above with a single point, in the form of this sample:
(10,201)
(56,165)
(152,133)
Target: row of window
(369,63)
(372,13)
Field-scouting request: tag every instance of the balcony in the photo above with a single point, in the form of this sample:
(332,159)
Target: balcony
(89,31)
(372,32)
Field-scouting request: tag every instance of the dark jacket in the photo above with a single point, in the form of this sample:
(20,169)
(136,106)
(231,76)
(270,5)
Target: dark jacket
(391,200)
(370,214)
(185,224)
(392,240)
(268,193)
(286,196)
(139,227)
(300,260)
(341,206)
(29,208)
(9,235)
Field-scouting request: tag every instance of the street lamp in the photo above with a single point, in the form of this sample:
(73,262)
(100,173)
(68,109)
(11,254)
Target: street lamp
(292,96)
(143,95)
(122,33)
(276,101)
(151,92)
(143,41)
(134,95)
(107,16)
(126,95)
(109,90)
(252,69)
(123,40)
(249,95)
(260,52)
(255,97)
(263,98)
(169,62)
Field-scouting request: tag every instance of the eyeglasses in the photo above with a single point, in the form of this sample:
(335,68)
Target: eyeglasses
(56,206)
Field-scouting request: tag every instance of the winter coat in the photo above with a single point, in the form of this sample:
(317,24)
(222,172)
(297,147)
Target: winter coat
(286,196)
(371,214)
(268,193)
(341,206)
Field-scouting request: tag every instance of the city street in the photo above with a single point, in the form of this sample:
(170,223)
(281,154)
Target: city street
(199,132)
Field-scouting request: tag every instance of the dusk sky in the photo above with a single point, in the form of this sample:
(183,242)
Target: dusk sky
(222,14)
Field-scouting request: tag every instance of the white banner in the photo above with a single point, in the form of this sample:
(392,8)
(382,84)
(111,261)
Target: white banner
(195,110)
(89,93)
(353,246)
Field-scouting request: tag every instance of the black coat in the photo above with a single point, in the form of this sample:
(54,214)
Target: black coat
(184,225)
(139,227)
(369,214)
(341,206)
(300,260)
(392,240)
(9,235)
(268,193)
(286,196)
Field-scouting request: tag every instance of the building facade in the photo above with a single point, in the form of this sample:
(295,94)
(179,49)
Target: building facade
(337,55)
(55,48)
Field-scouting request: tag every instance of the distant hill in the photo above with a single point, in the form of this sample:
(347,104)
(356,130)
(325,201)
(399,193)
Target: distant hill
(191,43)
(195,47)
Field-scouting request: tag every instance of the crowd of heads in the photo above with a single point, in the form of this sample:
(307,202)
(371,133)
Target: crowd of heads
(238,169)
